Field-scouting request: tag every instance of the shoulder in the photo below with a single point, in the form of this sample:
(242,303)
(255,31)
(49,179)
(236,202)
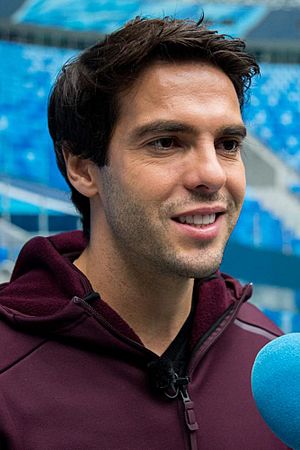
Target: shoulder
(15,344)
(252,320)
(249,317)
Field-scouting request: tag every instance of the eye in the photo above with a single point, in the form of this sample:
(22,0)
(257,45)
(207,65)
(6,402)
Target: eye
(164,143)
(229,145)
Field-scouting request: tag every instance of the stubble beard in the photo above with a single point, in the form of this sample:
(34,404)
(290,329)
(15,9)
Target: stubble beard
(143,243)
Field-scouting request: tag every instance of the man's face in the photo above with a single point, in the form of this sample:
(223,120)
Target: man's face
(173,189)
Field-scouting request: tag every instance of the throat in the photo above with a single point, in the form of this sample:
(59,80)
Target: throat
(156,317)
(161,320)
(176,346)
(155,308)
(158,345)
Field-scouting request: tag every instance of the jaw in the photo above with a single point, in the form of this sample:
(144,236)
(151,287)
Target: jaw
(197,251)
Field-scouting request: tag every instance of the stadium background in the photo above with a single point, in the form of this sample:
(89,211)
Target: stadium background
(38,36)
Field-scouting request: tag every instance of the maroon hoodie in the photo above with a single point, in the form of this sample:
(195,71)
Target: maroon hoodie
(75,376)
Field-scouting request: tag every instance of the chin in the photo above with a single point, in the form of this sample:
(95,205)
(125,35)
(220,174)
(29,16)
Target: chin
(186,269)
(204,273)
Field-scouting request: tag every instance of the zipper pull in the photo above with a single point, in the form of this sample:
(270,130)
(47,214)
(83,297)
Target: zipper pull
(190,418)
(189,413)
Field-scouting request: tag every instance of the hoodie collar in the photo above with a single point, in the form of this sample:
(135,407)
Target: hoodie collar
(45,280)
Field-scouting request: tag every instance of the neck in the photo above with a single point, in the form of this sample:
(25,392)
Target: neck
(154,305)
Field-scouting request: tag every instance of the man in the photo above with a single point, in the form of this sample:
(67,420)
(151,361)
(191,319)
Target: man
(129,337)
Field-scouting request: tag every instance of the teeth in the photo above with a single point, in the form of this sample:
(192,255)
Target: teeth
(206,220)
(198,219)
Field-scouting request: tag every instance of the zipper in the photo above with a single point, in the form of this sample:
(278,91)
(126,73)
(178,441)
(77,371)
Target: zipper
(179,388)
(216,330)
(190,417)
(204,344)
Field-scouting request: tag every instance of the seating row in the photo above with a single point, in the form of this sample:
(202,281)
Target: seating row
(259,228)
(25,82)
(3,253)
(273,113)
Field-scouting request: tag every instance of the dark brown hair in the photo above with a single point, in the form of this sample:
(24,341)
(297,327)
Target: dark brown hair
(83,107)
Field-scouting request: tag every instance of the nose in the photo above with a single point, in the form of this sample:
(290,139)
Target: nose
(205,170)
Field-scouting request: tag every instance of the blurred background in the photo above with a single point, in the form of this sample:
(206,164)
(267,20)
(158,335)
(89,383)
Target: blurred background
(38,36)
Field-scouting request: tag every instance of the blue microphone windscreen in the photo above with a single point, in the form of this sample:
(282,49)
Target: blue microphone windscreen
(276,387)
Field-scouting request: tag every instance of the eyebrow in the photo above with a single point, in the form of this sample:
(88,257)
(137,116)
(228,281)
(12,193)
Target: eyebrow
(170,126)
(233,130)
(162,126)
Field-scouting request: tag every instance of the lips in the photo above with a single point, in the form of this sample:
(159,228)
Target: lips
(204,227)
(200,217)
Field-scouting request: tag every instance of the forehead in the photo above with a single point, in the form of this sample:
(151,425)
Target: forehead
(165,88)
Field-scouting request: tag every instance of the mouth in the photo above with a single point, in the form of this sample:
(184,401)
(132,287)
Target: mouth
(198,220)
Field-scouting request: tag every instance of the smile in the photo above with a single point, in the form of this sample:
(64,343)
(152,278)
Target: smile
(201,225)
(198,220)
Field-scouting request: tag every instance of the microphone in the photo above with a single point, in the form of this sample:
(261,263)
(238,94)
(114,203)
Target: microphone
(275,383)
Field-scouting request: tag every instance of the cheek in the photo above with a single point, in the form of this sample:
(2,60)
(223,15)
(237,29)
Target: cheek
(150,181)
(236,185)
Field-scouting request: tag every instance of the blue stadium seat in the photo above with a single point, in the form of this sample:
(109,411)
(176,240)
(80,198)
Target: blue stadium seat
(3,253)
(295,189)
(259,228)
(26,148)
(273,114)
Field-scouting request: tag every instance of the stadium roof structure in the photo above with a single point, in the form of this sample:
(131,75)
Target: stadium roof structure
(270,27)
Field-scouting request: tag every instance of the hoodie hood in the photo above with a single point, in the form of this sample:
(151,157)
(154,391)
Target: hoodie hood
(44,278)
(45,281)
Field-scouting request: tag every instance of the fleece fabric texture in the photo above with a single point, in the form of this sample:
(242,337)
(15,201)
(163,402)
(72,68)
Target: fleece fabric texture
(45,279)
(74,375)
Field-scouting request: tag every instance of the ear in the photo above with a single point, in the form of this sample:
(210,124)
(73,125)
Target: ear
(81,174)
